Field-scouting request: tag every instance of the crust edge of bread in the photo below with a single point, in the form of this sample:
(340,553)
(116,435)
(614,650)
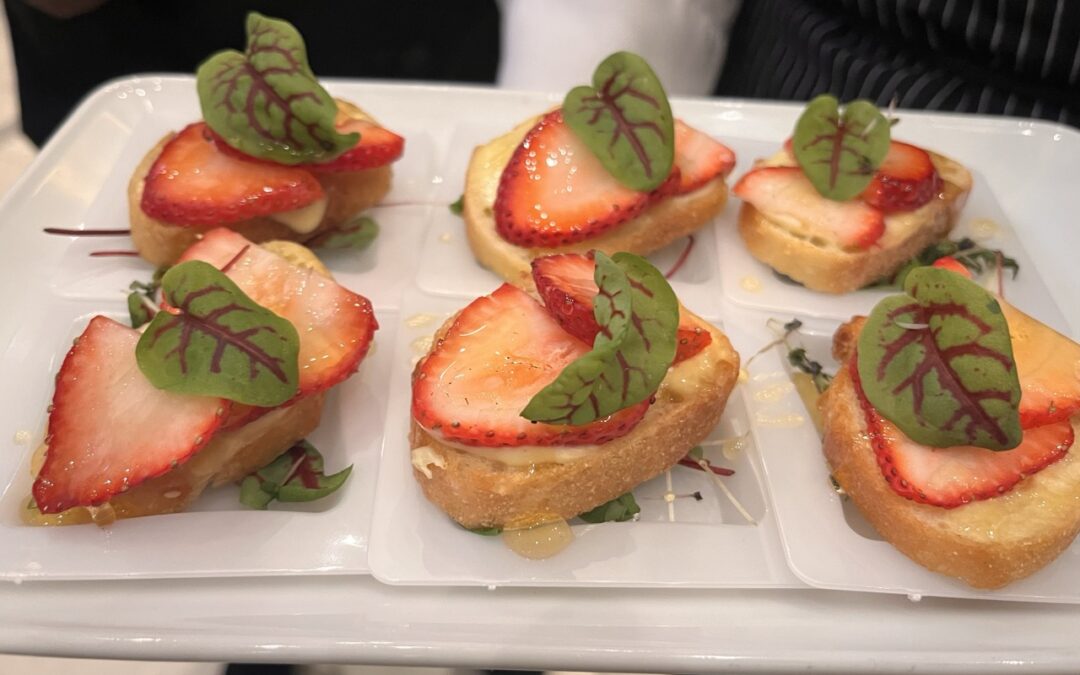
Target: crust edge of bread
(478,492)
(974,542)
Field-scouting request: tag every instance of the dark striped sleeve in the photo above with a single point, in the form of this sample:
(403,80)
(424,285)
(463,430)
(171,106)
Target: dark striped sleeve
(1010,57)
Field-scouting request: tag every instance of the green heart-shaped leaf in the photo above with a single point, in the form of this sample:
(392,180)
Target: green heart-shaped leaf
(840,151)
(296,476)
(938,363)
(216,341)
(638,316)
(625,120)
(266,102)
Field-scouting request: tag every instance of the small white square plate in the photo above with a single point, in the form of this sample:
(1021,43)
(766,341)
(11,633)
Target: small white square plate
(688,543)
(828,542)
(750,283)
(79,182)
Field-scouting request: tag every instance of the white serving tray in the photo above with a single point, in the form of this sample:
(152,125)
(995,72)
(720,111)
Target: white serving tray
(341,618)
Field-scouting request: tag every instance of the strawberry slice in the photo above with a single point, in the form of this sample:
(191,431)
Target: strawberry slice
(699,157)
(500,351)
(109,428)
(905,180)
(336,326)
(954,476)
(951,477)
(554,191)
(1048,366)
(953,265)
(690,339)
(377,147)
(193,183)
(567,286)
(784,194)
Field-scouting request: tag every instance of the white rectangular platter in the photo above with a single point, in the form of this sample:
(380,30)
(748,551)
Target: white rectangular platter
(357,619)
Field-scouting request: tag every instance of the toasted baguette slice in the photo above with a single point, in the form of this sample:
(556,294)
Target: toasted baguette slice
(479,491)
(986,544)
(824,266)
(347,193)
(656,227)
(228,458)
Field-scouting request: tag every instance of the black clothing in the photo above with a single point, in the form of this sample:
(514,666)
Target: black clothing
(60,60)
(1011,57)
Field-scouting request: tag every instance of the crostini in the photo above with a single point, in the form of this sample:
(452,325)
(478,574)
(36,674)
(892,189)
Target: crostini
(231,372)
(988,492)
(275,157)
(610,170)
(526,413)
(836,212)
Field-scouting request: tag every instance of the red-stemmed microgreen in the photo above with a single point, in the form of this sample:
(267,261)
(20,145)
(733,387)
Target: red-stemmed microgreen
(681,260)
(356,234)
(295,476)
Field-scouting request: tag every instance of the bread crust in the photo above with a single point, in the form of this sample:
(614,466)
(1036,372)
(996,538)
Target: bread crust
(986,544)
(657,226)
(479,492)
(347,194)
(832,269)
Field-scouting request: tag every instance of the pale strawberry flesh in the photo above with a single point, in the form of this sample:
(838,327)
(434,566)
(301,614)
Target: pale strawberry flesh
(193,183)
(785,195)
(109,428)
(335,325)
(499,352)
(555,192)
(905,180)
(1048,365)
(699,158)
(567,287)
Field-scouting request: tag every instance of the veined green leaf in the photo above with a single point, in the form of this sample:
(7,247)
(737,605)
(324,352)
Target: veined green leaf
(625,120)
(840,151)
(216,341)
(138,312)
(457,207)
(938,363)
(266,102)
(296,476)
(618,510)
(357,234)
(638,316)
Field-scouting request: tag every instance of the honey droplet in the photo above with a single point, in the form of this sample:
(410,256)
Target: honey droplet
(541,541)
